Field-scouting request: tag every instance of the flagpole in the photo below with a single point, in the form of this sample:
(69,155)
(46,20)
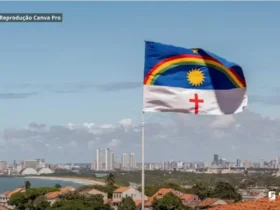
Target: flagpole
(143,163)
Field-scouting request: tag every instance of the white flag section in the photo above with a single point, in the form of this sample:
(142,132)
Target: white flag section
(194,101)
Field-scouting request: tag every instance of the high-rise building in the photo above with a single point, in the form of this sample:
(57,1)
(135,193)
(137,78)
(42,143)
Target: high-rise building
(104,159)
(125,160)
(132,161)
(238,162)
(93,165)
(216,159)
(100,159)
(262,163)
(3,165)
(277,162)
(109,160)
(30,164)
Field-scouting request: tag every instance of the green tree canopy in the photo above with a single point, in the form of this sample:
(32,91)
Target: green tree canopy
(27,184)
(57,185)
(110,184)
(224,190)
(40,203)
(169,202)
(24,200)
(201,190)
(80,202)
(110,180)
(127,203)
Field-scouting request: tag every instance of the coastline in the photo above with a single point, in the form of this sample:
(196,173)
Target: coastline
(83,181)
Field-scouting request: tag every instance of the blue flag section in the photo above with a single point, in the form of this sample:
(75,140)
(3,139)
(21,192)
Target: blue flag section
(167,65)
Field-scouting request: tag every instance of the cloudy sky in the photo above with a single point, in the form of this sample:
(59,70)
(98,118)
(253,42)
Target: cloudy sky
(69,88)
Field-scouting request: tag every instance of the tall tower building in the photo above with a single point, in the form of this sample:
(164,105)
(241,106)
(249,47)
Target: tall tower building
(238,162)
(132,161)
(125,160)
(262,163)
(100,159)
(104,159)
(216,159)
(109,160)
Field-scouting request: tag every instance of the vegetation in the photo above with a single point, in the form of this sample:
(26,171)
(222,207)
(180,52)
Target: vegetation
(110,184)
(100,188)
(169,202)
(27,184)
(76,201)
(201,190)
(32,198)
(127,204)
(152,189)
(224,190)
(57,185)
(222,186)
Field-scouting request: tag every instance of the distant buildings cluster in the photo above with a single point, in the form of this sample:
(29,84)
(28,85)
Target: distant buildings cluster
(105,161)
(25,167)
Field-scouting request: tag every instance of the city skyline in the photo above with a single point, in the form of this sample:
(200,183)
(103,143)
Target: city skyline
(61,94)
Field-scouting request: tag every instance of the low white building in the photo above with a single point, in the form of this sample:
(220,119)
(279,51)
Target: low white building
(123,192)
(28,171)
(31,171)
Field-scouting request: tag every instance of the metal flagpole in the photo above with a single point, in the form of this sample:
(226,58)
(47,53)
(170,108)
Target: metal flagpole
(143,165)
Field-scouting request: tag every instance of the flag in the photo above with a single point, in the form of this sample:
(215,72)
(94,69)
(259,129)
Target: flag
(192,81)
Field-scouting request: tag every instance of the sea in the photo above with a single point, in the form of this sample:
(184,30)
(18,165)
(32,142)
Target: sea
(11,183)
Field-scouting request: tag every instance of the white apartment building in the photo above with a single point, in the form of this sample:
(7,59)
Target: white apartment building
(132,160)
(30,164)
(104,160)
(3,165)
(128,161)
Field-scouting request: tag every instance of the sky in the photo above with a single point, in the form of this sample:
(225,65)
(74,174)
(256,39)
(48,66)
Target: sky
(68,88)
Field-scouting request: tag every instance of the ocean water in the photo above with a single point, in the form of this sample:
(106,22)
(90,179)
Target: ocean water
(9,184)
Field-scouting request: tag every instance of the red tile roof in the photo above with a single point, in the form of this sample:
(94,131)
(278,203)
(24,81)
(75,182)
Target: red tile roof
(121,189)
(9,194)
(54,195)
(138,202)
(160,194)
(208,202)
(259,204)
(186,196)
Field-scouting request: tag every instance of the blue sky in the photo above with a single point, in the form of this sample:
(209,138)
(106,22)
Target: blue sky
(61,69)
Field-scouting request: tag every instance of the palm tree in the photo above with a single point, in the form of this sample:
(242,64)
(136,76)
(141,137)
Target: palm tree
(27,184)
(57,185)
(110,180)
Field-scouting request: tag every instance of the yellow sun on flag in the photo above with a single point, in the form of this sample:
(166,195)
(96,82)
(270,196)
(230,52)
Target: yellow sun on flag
(195,77)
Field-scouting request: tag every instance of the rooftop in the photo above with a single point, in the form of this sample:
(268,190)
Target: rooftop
(259,204)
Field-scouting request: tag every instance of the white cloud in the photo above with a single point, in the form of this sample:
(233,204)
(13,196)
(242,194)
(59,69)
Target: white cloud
(126,122)
(88,125)
(181,137)
(106,126)
(114,143)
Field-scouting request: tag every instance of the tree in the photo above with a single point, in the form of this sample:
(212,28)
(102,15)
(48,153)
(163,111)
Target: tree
(76,201)
(224,190)
(40,203)
(110,180)
(18,200)
(27,184)
(57,185)
(169,202)
(127,203)
(26,200)
(201,190)
(110,183)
